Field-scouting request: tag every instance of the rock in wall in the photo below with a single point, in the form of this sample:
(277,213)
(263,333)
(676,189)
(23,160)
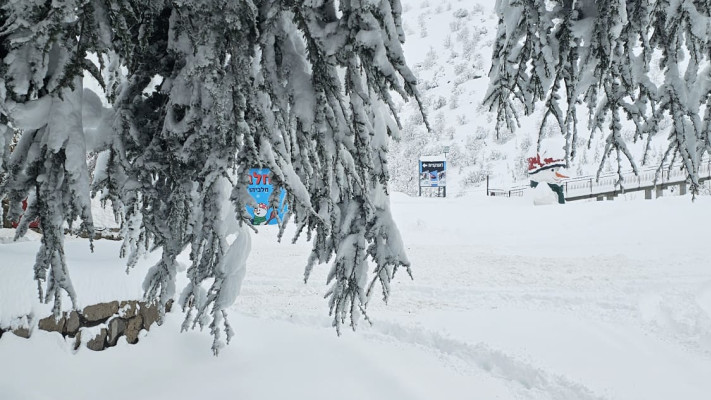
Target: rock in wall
(98,326)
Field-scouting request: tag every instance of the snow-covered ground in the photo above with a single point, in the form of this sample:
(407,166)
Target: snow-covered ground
(596,300)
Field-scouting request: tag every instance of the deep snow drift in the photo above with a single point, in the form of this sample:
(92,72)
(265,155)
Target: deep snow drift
(608,300)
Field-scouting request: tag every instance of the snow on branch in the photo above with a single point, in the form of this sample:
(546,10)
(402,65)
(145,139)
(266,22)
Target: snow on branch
(200,92)
(600,53)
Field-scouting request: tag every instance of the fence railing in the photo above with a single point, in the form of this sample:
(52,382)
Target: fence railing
(611,184)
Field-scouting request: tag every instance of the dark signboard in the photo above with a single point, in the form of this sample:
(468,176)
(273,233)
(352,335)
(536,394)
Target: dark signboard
(433,173)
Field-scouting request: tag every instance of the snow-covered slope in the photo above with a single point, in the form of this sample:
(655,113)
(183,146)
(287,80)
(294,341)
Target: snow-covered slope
(599,300)
(448,46)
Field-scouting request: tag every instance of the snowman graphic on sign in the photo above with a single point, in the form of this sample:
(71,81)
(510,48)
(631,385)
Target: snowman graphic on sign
(543,172)
(260,214)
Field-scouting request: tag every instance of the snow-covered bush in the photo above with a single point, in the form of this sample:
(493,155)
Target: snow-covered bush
(439,102)
(460,68)
(422,22)
(455,25)
(430,59)
(456,156)
(448,42)
(496,155)
(450,132)
(438,126)
(472,150)
(461,13)
(454,101)
(475,177)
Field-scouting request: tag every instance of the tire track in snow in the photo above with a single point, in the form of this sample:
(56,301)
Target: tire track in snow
(525,379)
(531,381)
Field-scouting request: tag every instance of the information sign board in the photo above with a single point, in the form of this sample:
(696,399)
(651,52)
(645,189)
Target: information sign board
(261,188)
(433,173)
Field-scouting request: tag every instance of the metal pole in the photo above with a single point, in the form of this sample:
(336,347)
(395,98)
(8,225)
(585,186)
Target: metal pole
(419,179)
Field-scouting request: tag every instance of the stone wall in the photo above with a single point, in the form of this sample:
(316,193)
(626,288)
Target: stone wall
(97,326)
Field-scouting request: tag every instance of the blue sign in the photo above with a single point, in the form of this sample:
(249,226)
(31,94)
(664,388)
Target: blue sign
(433,173)
(261,188)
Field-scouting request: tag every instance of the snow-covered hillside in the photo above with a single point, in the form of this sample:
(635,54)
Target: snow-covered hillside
(449,46)
(597,300)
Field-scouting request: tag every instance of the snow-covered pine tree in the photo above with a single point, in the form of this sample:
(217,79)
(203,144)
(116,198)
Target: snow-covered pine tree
(607,55)
(329,139)
(302,89)
(175,145)
(202,91)
(43,46)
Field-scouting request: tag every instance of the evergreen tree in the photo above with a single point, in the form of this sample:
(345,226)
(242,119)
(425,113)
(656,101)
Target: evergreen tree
(605,54)
(331,147)
(44,47)
(302,88)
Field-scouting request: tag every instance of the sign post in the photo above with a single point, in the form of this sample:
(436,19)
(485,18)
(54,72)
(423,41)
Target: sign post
(433,174)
